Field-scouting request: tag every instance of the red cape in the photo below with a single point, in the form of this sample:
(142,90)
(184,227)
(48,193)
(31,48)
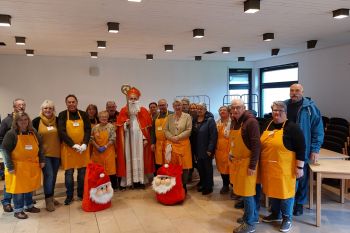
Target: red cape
(145,123)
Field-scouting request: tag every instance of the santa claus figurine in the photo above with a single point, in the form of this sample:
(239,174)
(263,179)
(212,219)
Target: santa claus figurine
(168,184)
(98,191)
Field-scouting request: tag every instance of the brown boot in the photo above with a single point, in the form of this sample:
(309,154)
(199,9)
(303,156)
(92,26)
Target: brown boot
(56,203)
(49,204)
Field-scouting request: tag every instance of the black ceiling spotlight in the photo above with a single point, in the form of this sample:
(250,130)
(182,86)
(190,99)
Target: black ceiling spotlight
(311,44)
(268,36)
(93,54)
(30,52)
(241,58)
(341,13)
(225,49)
(2,44)
(149,57)
(101,44)
(198,33)
(113,27)
(251,6)
(168,48)
(274,52)
(198,58)
(5,20)
(20,40)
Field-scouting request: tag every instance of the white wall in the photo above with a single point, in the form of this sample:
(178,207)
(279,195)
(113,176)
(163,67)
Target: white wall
(325,75)
(40,77)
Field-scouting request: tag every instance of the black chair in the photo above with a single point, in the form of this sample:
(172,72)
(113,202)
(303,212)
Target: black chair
(325,121)
(333,146)
(341,128)
(339,121)
(332,138)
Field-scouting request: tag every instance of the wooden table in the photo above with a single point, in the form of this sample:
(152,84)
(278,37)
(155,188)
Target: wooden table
(328,154)
(328,168)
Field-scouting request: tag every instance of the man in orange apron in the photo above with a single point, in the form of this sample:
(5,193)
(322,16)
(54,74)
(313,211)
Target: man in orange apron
(74,129)
(281,163)
(244,153)
(157,133)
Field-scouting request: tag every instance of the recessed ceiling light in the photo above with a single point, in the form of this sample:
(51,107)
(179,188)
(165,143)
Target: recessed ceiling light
(251,6)
(2,44)
(134,0)
(225,50)
(311,44)
(113,27)
(30,52)
(274,52)
(198,33)
(241,58)
(93,54)
(20,40)
(168,48)
(268,36)
(341,13)
(198,58)
(5,20)
(101,44)
(149,57)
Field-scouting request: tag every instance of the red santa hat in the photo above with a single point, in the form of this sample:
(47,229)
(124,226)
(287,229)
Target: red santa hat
(95,176)
(134,91)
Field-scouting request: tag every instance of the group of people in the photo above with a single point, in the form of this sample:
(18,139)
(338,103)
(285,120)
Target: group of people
(133,143)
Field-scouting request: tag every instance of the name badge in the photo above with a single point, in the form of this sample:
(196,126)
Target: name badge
(28,147)
(49,128)
(159,128)
(76,124)
(271,133)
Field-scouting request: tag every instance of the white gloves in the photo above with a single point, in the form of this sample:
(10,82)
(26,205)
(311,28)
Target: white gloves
(83,148)
(76,147)
(80,149)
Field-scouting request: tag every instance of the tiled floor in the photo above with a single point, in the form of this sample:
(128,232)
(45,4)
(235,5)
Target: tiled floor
(138,211)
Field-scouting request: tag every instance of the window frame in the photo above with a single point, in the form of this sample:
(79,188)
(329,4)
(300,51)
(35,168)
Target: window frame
(248,86)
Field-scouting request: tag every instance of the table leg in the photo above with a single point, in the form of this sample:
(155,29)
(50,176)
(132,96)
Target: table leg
(318,198)
(342,190)
(311,189)
(266,201)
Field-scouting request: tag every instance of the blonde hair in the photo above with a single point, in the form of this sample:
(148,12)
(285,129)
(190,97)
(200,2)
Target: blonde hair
(17,117)
(103,113)
(48,103)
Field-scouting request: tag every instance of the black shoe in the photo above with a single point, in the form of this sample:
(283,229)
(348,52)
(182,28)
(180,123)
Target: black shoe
(141,186)
(68,200)
(239,205)
(271,218)
(286,225)
(207,191)
(298,210)
(200,189)
(224,190)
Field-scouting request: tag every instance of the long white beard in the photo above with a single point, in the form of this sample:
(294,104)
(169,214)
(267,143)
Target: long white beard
(134,107)
(162,184)
(102,194)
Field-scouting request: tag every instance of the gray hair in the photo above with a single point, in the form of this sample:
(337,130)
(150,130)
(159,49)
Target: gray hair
(239,101)
(15,101)
(177,101)
(187,100)
(202,104)
(280,104)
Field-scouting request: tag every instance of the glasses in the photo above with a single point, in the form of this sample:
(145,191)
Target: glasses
(276,110)
(236,107)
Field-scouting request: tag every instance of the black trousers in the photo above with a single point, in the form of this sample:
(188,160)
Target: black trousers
(205,169)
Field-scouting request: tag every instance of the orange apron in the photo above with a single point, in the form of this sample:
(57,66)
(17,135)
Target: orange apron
(243,185)
(181,153)
(160,139)
(222,151)
(277,165)
(27,175)
(107,158)
(69,157)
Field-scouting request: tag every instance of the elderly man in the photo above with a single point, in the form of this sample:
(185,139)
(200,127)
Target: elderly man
(244,154)
(134,158)
(74,130)
(111,108)
(19,106)
(304,112)
(157,134)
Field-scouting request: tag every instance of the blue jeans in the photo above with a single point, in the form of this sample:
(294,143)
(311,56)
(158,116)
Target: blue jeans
(7,197)
(69,181)
(282,207)
(50,174)
(251,215)
(302,187)
(257,198)
(22,200)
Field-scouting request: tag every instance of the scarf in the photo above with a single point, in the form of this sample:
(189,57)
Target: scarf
(48,122)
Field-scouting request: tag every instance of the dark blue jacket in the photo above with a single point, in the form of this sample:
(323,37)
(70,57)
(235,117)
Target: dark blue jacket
(205,136)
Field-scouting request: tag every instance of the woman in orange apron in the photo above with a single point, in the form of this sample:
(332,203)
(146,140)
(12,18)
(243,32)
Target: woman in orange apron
(223,148)
(102,138)
(281,163)
(24,160)
(177,131)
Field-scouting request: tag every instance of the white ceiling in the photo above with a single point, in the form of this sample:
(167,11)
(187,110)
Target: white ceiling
(72,27)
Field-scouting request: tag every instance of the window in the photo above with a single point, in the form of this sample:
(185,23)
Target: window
(240,85)
(274,84)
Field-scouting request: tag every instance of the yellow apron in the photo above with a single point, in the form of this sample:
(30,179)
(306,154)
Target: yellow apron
(243,185)
(27,176)
(222,151)
(69,157)
(277,165)
(181,153)
(160,139)
(107,158)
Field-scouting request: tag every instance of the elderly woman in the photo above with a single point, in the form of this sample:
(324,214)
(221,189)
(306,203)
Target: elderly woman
(177,131)
(223,148)
(206,135)
(46,125)
(282,162)
(103,138)
(23,159)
